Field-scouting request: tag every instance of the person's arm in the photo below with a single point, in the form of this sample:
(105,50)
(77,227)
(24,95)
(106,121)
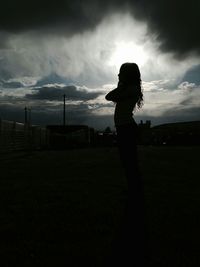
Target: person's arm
(113,95)
(119,94)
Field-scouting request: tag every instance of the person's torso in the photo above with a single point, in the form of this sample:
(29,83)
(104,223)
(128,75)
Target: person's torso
(124,111)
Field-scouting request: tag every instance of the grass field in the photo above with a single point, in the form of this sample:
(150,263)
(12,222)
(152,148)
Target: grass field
(62,208)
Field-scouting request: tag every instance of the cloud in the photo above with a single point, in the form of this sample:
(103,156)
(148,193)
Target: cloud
(162,104)
(56,92)
(53,78)
(85,58)
(193,75)
(69,16)
(44,113)
(49,49)
(173,23)
(167,104)
(11,84)
(182,114)
(80,59)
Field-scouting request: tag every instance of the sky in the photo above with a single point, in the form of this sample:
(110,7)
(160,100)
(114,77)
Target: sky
(49,48)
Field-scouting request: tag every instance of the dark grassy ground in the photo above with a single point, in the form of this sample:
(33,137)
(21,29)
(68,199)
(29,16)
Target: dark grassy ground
(62,208)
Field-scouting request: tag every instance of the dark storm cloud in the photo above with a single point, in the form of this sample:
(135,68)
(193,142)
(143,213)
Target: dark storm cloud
(75,114)
(174,23)
(10,112)
(53,78)
(73,15)
(192,115)
(183,114)
(10,84)
(56,93)
(43,113)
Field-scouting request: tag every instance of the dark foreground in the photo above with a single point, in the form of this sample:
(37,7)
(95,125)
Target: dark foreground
(63,208)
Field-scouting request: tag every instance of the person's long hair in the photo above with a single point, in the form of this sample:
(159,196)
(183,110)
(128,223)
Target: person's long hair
(130,75)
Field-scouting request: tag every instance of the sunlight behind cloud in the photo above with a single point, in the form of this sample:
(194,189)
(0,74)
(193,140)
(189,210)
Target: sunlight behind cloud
(127,52)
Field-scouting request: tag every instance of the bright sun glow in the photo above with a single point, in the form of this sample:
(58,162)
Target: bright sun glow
(127,52)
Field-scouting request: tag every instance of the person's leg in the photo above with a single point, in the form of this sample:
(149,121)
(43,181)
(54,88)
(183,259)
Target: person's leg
(127,144)
(132,228)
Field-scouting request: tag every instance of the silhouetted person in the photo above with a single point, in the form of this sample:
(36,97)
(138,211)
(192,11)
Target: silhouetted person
(128,246)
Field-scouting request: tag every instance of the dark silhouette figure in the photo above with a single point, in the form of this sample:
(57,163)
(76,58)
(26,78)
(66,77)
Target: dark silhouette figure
(128,245)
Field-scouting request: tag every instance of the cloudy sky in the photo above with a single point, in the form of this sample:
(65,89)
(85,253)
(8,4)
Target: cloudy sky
(51,48)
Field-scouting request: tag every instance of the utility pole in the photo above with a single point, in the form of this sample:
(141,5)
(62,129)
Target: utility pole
(64,122)
(25,116)
(29,119)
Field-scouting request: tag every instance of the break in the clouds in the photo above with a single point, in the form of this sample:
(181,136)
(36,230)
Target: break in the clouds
(48,49)
(193,75)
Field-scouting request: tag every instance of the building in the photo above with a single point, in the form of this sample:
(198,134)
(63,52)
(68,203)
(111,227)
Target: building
(180,133)
(66,136)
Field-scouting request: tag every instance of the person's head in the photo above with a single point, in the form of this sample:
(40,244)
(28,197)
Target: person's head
(129,75)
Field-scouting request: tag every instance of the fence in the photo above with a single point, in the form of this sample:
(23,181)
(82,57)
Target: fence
(18,136)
